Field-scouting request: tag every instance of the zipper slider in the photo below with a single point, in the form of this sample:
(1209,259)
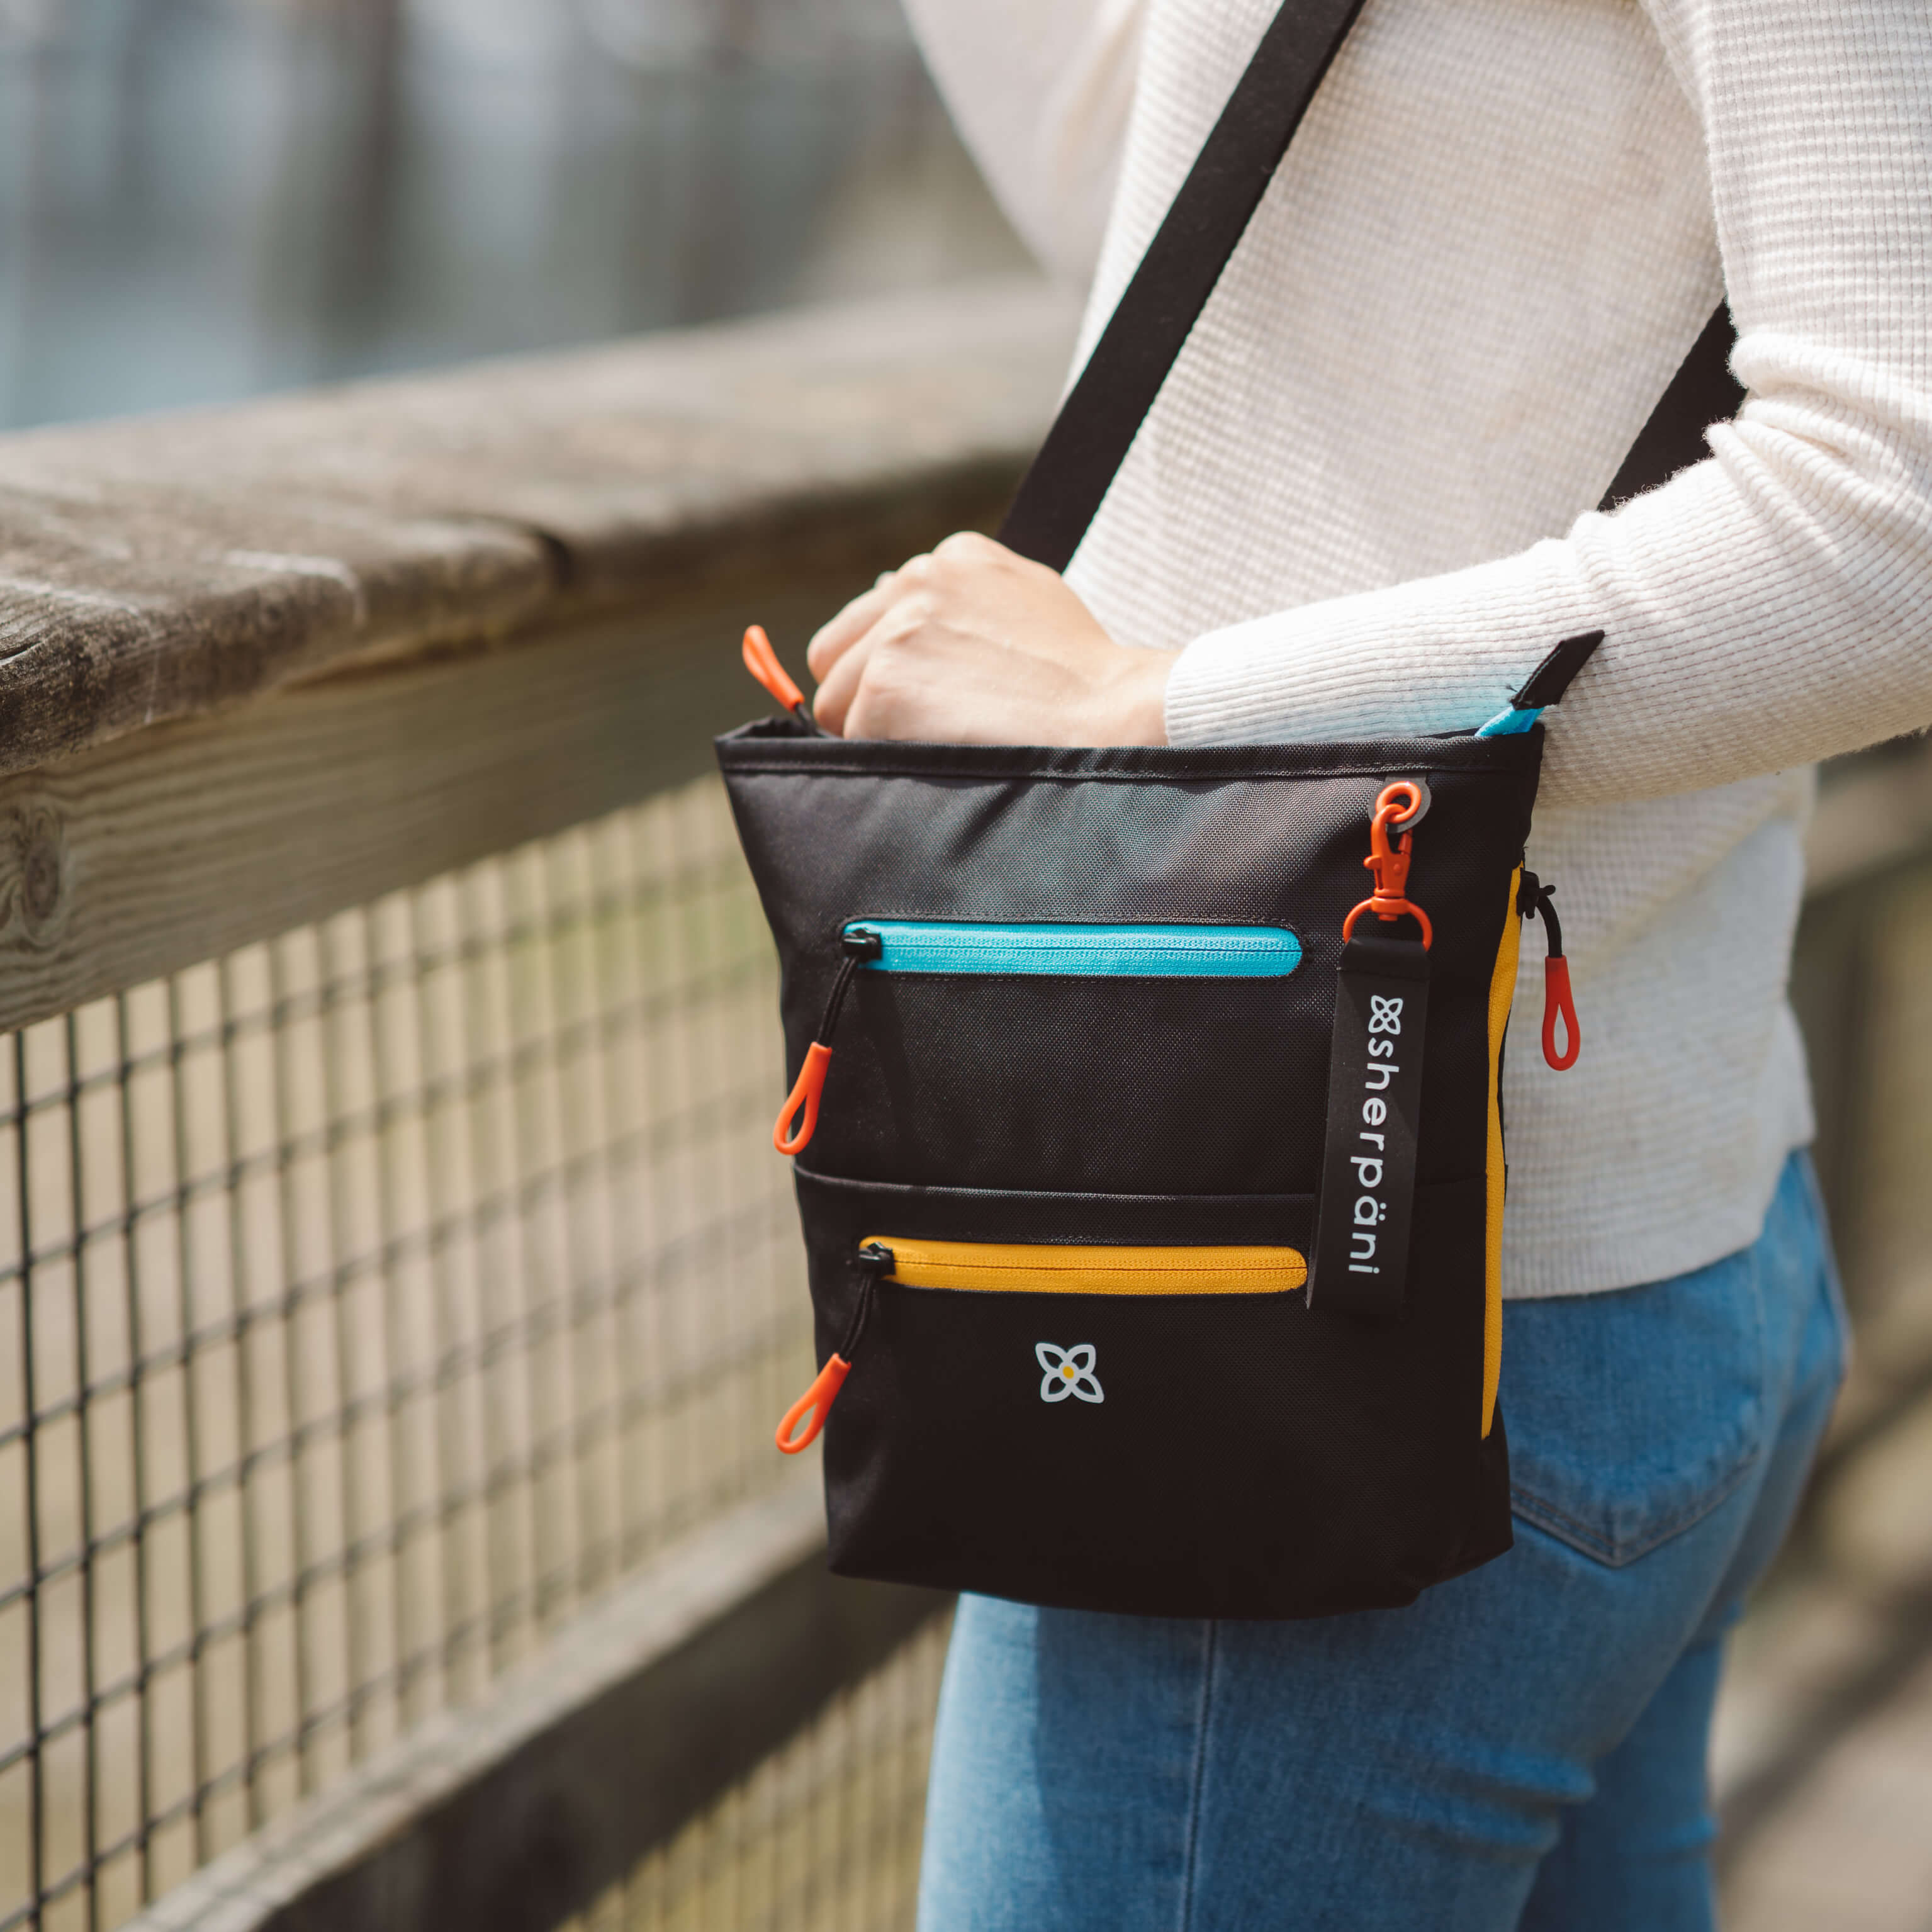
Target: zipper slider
(859,944)
(799,1427)
(1534,900)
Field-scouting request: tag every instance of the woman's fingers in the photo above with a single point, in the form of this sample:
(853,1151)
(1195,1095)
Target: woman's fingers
(834,639)
(973,643)
(839,685)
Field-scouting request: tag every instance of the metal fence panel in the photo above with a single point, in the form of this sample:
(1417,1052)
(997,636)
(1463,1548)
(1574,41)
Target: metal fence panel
(369,1300)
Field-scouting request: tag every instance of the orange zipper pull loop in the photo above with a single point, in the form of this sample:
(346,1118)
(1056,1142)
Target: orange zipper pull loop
(762,661)
(1401,806)
(1557,1002)
(805,1092)
(799,1428)
(812,1408)
(1534,900)
(859,944)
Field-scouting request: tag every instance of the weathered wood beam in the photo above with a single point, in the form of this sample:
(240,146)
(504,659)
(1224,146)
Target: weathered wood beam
(180,843)
(158,569)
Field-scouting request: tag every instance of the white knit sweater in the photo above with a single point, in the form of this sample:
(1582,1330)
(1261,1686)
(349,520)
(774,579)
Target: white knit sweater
(1360,502)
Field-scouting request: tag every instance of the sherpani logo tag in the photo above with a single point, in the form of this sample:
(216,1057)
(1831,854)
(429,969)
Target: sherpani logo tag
(1065,1372)
(1370,1210)
(1375,1091)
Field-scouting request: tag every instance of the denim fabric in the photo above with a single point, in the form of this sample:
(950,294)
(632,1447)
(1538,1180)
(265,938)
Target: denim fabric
(1523,1748)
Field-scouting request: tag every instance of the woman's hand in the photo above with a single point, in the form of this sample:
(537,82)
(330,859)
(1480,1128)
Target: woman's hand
(976,644)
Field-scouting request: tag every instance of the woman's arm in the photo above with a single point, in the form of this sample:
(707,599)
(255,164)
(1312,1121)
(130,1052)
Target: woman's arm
(1769,606)
(1040,89)
(1772,605)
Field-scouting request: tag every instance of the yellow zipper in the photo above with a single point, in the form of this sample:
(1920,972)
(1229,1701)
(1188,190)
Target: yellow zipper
(1036,1267)
(1502,989)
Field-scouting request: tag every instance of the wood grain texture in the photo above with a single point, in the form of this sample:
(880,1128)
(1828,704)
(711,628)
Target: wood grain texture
(154,569)
(185,841)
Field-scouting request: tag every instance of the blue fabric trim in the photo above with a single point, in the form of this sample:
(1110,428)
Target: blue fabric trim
(1162,952)
(1507,724)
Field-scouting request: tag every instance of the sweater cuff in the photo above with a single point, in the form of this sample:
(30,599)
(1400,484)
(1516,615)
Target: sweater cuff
(1438,654)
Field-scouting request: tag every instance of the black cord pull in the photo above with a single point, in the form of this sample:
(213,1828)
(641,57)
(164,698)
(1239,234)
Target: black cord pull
(1534,900)
(858,945)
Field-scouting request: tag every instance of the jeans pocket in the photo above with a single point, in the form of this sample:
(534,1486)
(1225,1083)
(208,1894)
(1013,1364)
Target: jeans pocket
(1633,1414)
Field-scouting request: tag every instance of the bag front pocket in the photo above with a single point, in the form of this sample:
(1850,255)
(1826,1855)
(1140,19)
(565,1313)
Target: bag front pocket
(1126,1402)
(1163,1057)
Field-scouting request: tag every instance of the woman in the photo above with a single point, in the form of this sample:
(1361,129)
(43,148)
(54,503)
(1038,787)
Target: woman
(1357,508)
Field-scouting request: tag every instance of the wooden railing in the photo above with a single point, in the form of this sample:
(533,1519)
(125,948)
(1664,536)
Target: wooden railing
(400,1282)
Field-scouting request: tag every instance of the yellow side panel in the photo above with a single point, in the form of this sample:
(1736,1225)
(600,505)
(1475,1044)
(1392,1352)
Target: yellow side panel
(1502,990)
(1041,1268)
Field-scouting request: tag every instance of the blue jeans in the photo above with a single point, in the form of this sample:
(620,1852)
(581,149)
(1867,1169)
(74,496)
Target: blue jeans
(1522,1750)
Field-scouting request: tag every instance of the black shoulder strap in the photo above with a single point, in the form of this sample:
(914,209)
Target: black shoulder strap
(1102,413)
(1702,392)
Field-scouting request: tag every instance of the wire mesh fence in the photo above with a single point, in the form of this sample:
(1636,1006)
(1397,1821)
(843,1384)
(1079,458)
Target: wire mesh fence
(369,1299)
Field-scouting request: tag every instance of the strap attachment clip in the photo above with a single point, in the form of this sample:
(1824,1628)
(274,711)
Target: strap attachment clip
(1398,804)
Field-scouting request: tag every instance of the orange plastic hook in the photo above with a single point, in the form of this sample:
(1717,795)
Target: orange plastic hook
(1405,799)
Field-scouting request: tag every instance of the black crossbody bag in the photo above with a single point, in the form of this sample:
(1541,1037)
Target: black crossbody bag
(1148,1151)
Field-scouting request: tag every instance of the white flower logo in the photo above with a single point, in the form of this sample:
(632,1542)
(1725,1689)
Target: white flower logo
(1065,1372)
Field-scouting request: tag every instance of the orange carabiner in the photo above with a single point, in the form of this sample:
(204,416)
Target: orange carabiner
(1401,803)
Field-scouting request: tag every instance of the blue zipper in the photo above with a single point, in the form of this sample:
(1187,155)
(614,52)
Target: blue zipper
(1085,952)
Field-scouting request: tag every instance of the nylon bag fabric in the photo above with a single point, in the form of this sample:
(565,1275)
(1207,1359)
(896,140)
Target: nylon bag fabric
(1255,1454)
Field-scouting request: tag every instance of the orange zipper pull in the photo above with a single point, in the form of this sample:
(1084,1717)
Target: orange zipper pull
(859,945)
(799,1428)
(1534,900)
(812,1408)
(1557,1002)
(762,661)
(804,1092)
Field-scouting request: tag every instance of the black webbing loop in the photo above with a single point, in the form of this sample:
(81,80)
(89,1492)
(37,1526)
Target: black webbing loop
(1102,413)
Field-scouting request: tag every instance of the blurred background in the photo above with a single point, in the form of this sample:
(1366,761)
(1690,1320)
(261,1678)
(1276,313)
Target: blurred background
(378,1417)
(203,198)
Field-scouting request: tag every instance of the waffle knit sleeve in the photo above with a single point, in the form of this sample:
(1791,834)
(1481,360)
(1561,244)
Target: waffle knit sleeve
(1040,90)
(1772,604)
